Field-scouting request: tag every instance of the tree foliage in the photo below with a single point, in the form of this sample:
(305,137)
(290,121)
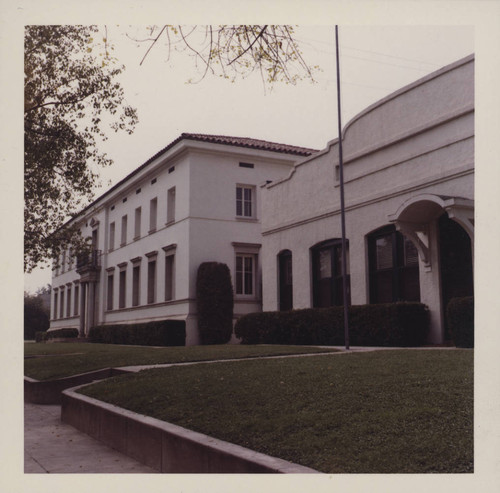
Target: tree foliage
(237,51)
(71,99)
(36,313)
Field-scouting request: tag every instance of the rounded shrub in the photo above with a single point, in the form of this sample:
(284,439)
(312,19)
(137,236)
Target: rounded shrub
(214,299)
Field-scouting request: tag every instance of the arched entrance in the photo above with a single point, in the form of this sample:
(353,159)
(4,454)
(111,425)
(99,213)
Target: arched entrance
(455,253)
(442,230)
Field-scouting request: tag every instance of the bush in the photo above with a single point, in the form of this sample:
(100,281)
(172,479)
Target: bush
(41,336)
(393,324)
(214,298)
(460,316)
(160,333)
(64,333)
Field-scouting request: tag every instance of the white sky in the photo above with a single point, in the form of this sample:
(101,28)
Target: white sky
(375,61)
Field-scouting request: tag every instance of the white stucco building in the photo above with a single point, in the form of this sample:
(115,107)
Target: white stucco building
(408,168)
(197,200)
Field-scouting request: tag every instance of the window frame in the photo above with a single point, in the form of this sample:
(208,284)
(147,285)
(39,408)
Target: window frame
(241,202)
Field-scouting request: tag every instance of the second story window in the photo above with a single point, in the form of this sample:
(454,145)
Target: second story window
(124,230)
(245,201)
(137,230)
(112,236)
(153,206)
(171,205)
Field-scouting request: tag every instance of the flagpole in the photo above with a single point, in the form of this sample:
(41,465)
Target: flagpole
(342,204)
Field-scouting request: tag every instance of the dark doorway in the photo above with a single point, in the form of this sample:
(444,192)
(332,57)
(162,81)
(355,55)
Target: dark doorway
(285,280)
(455,255)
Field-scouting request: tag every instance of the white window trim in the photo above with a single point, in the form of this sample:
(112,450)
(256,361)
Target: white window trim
(248,250)
(253,202)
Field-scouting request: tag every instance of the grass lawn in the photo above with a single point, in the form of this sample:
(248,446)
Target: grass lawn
(66,359)
(398,411)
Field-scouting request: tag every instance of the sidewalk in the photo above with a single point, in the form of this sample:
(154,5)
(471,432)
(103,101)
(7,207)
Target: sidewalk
(51,446)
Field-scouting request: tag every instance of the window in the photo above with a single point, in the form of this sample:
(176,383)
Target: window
(245,276)
(61,306)
(110,293)
(68,302)
(137,231)
(63,262)
(112,236)
(136,282)
(151,281)
(393,267)
(285,280)
(327,274)
(169,277)
(76,304)
(122,288)
(153,207)
(171,205)
(245,201)
(124,230)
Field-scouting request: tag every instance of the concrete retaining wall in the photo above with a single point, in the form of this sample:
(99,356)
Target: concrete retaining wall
(163,446)
(49,391)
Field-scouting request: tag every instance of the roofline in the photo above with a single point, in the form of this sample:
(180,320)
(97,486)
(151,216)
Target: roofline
(402,90)
(203,138)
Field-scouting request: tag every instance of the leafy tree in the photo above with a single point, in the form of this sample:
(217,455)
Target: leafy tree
(71,97)
(36,315)
(237,51)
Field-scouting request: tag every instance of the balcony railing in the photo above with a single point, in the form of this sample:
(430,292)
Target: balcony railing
(89,260)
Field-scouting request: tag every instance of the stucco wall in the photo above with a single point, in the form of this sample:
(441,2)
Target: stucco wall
(419,140)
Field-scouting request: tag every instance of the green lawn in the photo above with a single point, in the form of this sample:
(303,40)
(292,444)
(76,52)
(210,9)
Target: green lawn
(398,411)
(66,359)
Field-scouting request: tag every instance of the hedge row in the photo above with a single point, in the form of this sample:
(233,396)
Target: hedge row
(160,333)
(392,324)
(64,333)
(460,316)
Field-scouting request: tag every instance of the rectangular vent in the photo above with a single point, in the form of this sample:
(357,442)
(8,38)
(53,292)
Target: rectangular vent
(124,200)
(246,165)
(153,181)
(170,170)
(112,207)
(138,190)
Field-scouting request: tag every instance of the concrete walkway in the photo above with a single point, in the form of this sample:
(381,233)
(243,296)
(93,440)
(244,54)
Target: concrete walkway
(51,446)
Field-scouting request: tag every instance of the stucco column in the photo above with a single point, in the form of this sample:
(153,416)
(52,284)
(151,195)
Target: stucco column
(430,287)
(90,306)
(358,268)
(83,294)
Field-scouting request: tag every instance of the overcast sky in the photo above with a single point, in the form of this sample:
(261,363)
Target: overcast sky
(375,61)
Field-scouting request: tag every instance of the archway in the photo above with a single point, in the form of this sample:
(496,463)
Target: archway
(456,270)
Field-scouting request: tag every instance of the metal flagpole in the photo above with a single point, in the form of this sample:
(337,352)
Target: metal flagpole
(342,205)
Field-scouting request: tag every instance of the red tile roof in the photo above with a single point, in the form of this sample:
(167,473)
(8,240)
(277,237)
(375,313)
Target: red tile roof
(214,139)
(249,143)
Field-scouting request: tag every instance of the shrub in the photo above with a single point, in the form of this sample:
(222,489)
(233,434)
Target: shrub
(460,315)
(159,333)
(394,324)
(41,336)
(214,298)
(64,333)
